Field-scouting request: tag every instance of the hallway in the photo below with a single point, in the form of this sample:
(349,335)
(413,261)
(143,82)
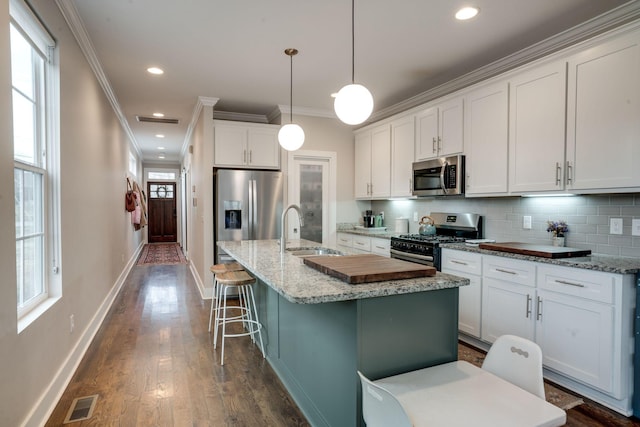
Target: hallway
(152,363)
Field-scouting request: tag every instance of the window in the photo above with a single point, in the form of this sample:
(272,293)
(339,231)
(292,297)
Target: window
(133,164)
(161,175)
(34,99)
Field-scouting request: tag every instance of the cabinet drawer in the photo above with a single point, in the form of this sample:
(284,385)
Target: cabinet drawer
(465,262)
(362,243)
(345,239)
(588,284)
(380,246)
(510,270)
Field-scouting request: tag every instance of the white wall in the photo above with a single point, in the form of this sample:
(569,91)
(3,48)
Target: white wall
(97,238)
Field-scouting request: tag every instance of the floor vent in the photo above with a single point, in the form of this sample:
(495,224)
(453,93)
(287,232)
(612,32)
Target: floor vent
(81,409)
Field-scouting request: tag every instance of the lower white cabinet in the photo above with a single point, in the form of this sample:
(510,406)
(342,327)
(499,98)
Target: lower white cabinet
(469,266)
(380,246)
(364,244)
(507,309)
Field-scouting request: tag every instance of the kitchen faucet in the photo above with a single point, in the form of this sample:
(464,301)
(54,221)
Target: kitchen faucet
(284,215)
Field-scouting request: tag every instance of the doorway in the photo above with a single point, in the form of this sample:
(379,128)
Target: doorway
(162,212)
(312,186)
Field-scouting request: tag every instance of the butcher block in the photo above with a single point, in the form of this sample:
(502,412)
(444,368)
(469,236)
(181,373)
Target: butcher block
(366,268)
(535,250)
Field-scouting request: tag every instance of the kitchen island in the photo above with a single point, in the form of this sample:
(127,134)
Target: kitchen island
(319,331)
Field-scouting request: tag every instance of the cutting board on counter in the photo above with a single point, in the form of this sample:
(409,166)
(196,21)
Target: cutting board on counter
(366,268)
(535,250)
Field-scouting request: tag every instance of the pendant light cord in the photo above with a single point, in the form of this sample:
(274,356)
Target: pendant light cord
(291,91)
(353,42)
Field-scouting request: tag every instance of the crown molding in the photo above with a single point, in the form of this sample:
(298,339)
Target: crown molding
(203,101)
(302,111)
(71,16)
(608,21)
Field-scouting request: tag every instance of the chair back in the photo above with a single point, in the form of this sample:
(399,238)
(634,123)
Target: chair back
(518,361)
(380,408)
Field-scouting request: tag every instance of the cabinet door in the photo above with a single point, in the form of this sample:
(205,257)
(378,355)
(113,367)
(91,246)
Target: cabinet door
(427,134)
(486,119)
(381,161)
(263,149)
(603,138)
(450,126)
(402,147)
(362,244)
(576,338)
(380,246)
(507,308)
(230,145)
(362,167)
(537,129)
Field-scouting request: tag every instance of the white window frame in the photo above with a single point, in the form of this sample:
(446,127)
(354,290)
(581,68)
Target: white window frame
(46,161)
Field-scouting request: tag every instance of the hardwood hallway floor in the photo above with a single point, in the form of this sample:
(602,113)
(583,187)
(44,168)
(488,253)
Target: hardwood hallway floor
(152,363)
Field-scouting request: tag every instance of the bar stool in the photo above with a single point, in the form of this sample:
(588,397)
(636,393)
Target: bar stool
(218,269)
(248,316)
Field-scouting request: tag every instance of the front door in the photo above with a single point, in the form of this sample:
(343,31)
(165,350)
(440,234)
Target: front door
(162,212)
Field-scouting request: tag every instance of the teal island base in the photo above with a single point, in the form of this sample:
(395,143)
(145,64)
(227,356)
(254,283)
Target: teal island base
(316,349)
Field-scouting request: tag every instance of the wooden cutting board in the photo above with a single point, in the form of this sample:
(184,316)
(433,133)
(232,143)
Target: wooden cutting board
(367,268)
(535,250)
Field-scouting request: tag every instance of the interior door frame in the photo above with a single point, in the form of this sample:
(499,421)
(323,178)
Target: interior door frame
(330,157)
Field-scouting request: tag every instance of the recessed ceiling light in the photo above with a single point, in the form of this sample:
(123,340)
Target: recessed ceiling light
(159,135)
(155,70)
(160,148)
(467,13)
(161,156)
(158,115)
(334,94)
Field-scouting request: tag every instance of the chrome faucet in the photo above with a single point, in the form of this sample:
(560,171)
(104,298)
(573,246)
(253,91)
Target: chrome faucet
(284,215)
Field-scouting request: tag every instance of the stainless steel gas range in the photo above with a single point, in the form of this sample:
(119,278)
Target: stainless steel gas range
(425,249)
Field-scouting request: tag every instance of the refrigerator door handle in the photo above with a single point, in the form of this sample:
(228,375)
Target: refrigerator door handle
(250,209)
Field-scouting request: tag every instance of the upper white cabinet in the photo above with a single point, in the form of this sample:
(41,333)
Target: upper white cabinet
(537,129)
(486,121)
(603,116)
(246,145)
(402,146)
(372,165)
(439,130)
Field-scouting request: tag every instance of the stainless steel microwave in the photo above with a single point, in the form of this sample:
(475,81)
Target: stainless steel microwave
(439,177)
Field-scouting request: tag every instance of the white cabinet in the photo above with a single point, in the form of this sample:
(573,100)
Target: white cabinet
(246,145)
(344,241)
(603,135)
(372,166)
(363,244)
(467,265)
(508,297)
(439,130)
(402,152)
(380,246)
(486,124)
(537,129)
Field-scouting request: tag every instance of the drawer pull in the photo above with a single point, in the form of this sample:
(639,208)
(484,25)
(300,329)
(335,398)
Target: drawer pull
(506,271)
(539,309)
(453,261)
(564,282)
(381,247)
(529,301)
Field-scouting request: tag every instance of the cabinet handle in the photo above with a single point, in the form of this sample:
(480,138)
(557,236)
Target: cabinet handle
(439,144)
(453,261)
(569,173)
(380,247)
(529,301)
(250,152)
(410,185)
(433,145)
(506,271)
(564,282)
(244,156)
(539,309)
(558,173)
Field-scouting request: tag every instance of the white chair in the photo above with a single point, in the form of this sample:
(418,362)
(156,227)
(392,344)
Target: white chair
(380,408)
(518,361)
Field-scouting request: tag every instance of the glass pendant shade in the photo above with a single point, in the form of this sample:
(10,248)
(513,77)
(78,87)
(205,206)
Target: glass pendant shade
(353,104)
(291,137)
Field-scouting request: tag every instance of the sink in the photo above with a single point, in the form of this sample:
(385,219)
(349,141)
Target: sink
(309,251)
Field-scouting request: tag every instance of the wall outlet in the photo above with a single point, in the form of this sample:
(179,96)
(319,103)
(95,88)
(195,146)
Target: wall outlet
(415,216)
(526,222)
(615,226)
(635,227)
(72,324)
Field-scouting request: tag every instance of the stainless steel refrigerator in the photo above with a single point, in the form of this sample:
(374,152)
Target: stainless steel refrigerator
(248,206)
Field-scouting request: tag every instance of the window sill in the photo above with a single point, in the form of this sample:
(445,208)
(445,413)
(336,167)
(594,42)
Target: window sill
(34,314)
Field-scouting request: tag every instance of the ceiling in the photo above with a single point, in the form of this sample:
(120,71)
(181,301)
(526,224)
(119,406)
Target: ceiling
(234,51)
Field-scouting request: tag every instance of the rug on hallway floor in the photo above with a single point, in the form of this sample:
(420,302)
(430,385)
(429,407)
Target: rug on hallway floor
(161,253)
(554,395)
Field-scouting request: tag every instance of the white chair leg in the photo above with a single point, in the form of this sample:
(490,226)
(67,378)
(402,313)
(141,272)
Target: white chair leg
(217,317)
(214,300)
(258,326)
(224,323)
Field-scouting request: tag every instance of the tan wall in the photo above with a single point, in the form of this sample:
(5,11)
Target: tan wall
(97,238)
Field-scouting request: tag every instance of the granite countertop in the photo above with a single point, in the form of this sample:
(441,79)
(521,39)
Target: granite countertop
(605,263)
(301,284)
(381,234)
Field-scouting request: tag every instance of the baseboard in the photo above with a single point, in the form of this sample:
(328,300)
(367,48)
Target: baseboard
(205,293)
(43,409)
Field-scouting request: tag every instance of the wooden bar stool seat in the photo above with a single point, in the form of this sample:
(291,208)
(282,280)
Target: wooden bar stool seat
(218,269)
(242,281)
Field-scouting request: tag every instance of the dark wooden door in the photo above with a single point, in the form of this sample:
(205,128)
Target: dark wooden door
(162,212)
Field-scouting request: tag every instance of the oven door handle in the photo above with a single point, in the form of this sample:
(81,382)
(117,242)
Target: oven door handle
(444,168)
(408,256)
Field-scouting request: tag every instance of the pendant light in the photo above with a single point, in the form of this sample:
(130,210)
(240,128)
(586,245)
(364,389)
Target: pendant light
(291,136)
(354,103)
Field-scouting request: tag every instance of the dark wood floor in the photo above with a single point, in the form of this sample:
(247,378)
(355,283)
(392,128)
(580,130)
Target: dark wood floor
(152,363)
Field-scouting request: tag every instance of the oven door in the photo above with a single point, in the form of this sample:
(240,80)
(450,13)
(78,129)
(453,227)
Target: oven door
(407,256)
